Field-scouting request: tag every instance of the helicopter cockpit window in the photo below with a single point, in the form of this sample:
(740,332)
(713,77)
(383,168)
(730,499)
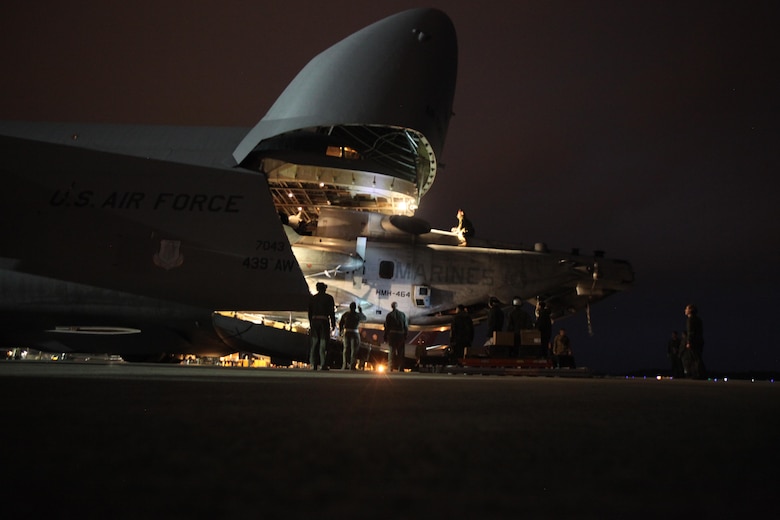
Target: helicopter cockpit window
(386,269)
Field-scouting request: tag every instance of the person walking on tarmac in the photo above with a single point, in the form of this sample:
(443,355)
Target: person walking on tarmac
(396,328)
(350,334)
(322,320)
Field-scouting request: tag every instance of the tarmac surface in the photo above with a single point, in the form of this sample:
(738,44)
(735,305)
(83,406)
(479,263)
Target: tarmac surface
(116,440)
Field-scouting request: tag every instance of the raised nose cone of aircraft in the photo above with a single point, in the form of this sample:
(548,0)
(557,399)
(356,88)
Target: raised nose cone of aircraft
(364,120)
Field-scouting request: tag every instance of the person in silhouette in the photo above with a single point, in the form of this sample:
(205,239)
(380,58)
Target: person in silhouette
(350,334)
(563,357)
(461,334)
(674,354)
(695,343)
(518,320)
(322,320)
(495,321)
(544,326)
(396,328)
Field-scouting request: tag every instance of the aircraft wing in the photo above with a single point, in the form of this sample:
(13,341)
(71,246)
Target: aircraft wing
(202,236)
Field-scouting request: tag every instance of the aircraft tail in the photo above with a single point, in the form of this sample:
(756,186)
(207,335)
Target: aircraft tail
(205,237)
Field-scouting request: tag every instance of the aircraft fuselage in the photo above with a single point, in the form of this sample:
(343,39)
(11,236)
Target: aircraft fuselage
(428,278)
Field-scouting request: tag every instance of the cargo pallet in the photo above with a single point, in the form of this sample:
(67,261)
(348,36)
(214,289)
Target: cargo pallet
(503,357)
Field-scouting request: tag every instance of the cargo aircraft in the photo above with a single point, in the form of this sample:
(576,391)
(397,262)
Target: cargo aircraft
(154,242)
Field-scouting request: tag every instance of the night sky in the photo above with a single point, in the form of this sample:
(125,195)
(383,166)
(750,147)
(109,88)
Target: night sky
(648,130)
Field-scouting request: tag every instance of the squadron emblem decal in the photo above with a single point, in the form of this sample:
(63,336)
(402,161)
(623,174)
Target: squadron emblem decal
(169,256)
